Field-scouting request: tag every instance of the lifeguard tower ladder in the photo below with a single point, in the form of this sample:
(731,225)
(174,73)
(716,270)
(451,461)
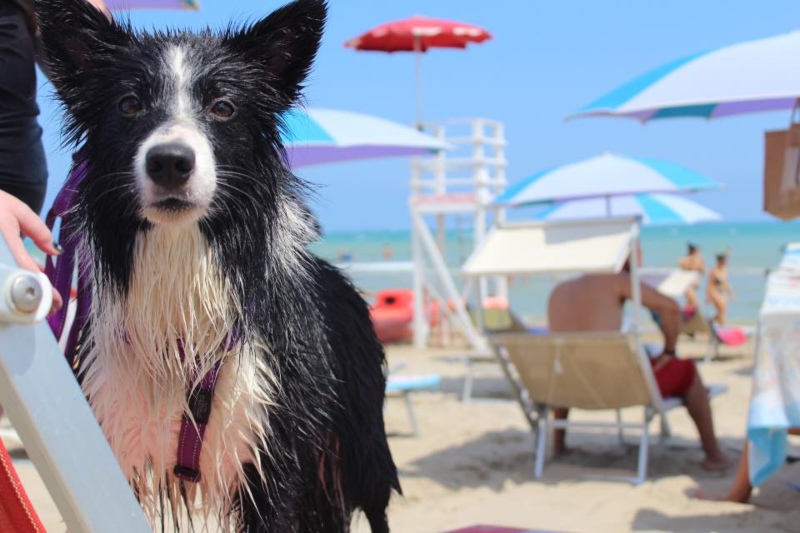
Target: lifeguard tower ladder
(460,182)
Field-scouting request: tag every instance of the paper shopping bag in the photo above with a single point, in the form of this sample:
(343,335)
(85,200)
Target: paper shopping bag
(782,172)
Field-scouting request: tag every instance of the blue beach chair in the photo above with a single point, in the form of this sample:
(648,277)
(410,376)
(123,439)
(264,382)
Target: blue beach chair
(405,385)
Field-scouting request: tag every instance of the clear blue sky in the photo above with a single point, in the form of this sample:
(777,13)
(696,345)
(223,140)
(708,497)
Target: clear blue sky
(546,60)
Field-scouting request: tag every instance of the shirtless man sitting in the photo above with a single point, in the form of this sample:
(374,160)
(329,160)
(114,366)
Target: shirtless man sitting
(594,303)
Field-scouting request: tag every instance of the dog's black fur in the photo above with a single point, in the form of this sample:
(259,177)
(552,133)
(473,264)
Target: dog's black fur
(328,450)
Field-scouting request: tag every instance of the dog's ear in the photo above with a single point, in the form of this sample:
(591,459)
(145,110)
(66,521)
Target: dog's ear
(284,44)
(74,33)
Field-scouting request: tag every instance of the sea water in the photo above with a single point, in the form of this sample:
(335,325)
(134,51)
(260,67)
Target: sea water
(752,247)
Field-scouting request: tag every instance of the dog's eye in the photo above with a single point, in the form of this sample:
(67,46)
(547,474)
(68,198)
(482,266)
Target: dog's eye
(222,109)
(130,105)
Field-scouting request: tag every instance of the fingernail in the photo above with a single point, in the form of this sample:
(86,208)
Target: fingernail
(58,248)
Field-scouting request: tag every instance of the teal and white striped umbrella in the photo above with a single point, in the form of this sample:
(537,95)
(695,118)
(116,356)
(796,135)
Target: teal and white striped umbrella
(318,136)
(652,208)
(606,175)
(748,77)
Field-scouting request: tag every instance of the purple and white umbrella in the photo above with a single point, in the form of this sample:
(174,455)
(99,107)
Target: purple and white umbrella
(605,176)
(128,5)
(319,136)
(749,77)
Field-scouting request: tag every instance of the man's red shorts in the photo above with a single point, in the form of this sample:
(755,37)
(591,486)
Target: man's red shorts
(675,377)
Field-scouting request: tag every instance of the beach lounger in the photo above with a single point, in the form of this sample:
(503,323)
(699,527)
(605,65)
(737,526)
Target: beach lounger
(495,320)
(405,385)
(585,371)
(694,322)
(47,407)
(732,336)
(561,247)
(596,371)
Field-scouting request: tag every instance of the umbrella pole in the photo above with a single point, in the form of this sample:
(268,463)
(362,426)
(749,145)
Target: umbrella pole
(608,206)
(418,66)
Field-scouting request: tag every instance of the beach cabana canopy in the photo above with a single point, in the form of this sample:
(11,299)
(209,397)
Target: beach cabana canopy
(748,77)
(554,247)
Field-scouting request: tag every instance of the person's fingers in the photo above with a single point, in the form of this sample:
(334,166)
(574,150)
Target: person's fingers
(10,230)
(58,302)
(33,227)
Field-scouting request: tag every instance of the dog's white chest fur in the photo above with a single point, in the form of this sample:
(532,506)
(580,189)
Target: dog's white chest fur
(137,379)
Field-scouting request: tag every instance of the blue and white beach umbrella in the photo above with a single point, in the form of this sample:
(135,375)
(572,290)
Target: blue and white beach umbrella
(318,136)
(753,76)
(652,208)
(607,175)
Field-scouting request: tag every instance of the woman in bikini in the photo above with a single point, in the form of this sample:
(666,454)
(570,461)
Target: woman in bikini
(719,288)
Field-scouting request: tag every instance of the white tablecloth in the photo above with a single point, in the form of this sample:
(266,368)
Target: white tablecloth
(775,403)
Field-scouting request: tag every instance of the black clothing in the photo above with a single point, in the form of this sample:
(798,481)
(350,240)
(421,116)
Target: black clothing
(23,166)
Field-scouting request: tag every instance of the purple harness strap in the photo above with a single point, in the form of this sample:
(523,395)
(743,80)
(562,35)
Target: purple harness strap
(61,273)
(190,440)
(193,428)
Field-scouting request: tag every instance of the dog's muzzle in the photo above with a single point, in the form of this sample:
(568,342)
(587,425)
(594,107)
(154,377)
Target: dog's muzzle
(175,175)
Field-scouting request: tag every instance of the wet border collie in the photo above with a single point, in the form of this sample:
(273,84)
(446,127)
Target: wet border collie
(195,232)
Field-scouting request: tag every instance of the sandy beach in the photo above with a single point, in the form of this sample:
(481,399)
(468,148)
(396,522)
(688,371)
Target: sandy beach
(473,464)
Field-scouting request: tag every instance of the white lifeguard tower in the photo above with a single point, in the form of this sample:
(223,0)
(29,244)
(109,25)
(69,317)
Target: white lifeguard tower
(454,185)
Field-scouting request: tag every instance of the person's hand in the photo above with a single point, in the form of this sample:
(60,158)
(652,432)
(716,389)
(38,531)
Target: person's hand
(17,219)
(662,359)
(101,5)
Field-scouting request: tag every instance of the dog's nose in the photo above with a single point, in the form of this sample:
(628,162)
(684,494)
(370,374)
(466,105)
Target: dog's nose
(170,165)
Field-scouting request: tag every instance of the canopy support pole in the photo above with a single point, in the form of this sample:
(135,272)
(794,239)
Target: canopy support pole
(418,68)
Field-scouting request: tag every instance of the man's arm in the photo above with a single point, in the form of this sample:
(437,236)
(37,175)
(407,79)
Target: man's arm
(666,307)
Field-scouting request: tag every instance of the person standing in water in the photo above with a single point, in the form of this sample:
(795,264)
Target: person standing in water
(693,262)
(719,288)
